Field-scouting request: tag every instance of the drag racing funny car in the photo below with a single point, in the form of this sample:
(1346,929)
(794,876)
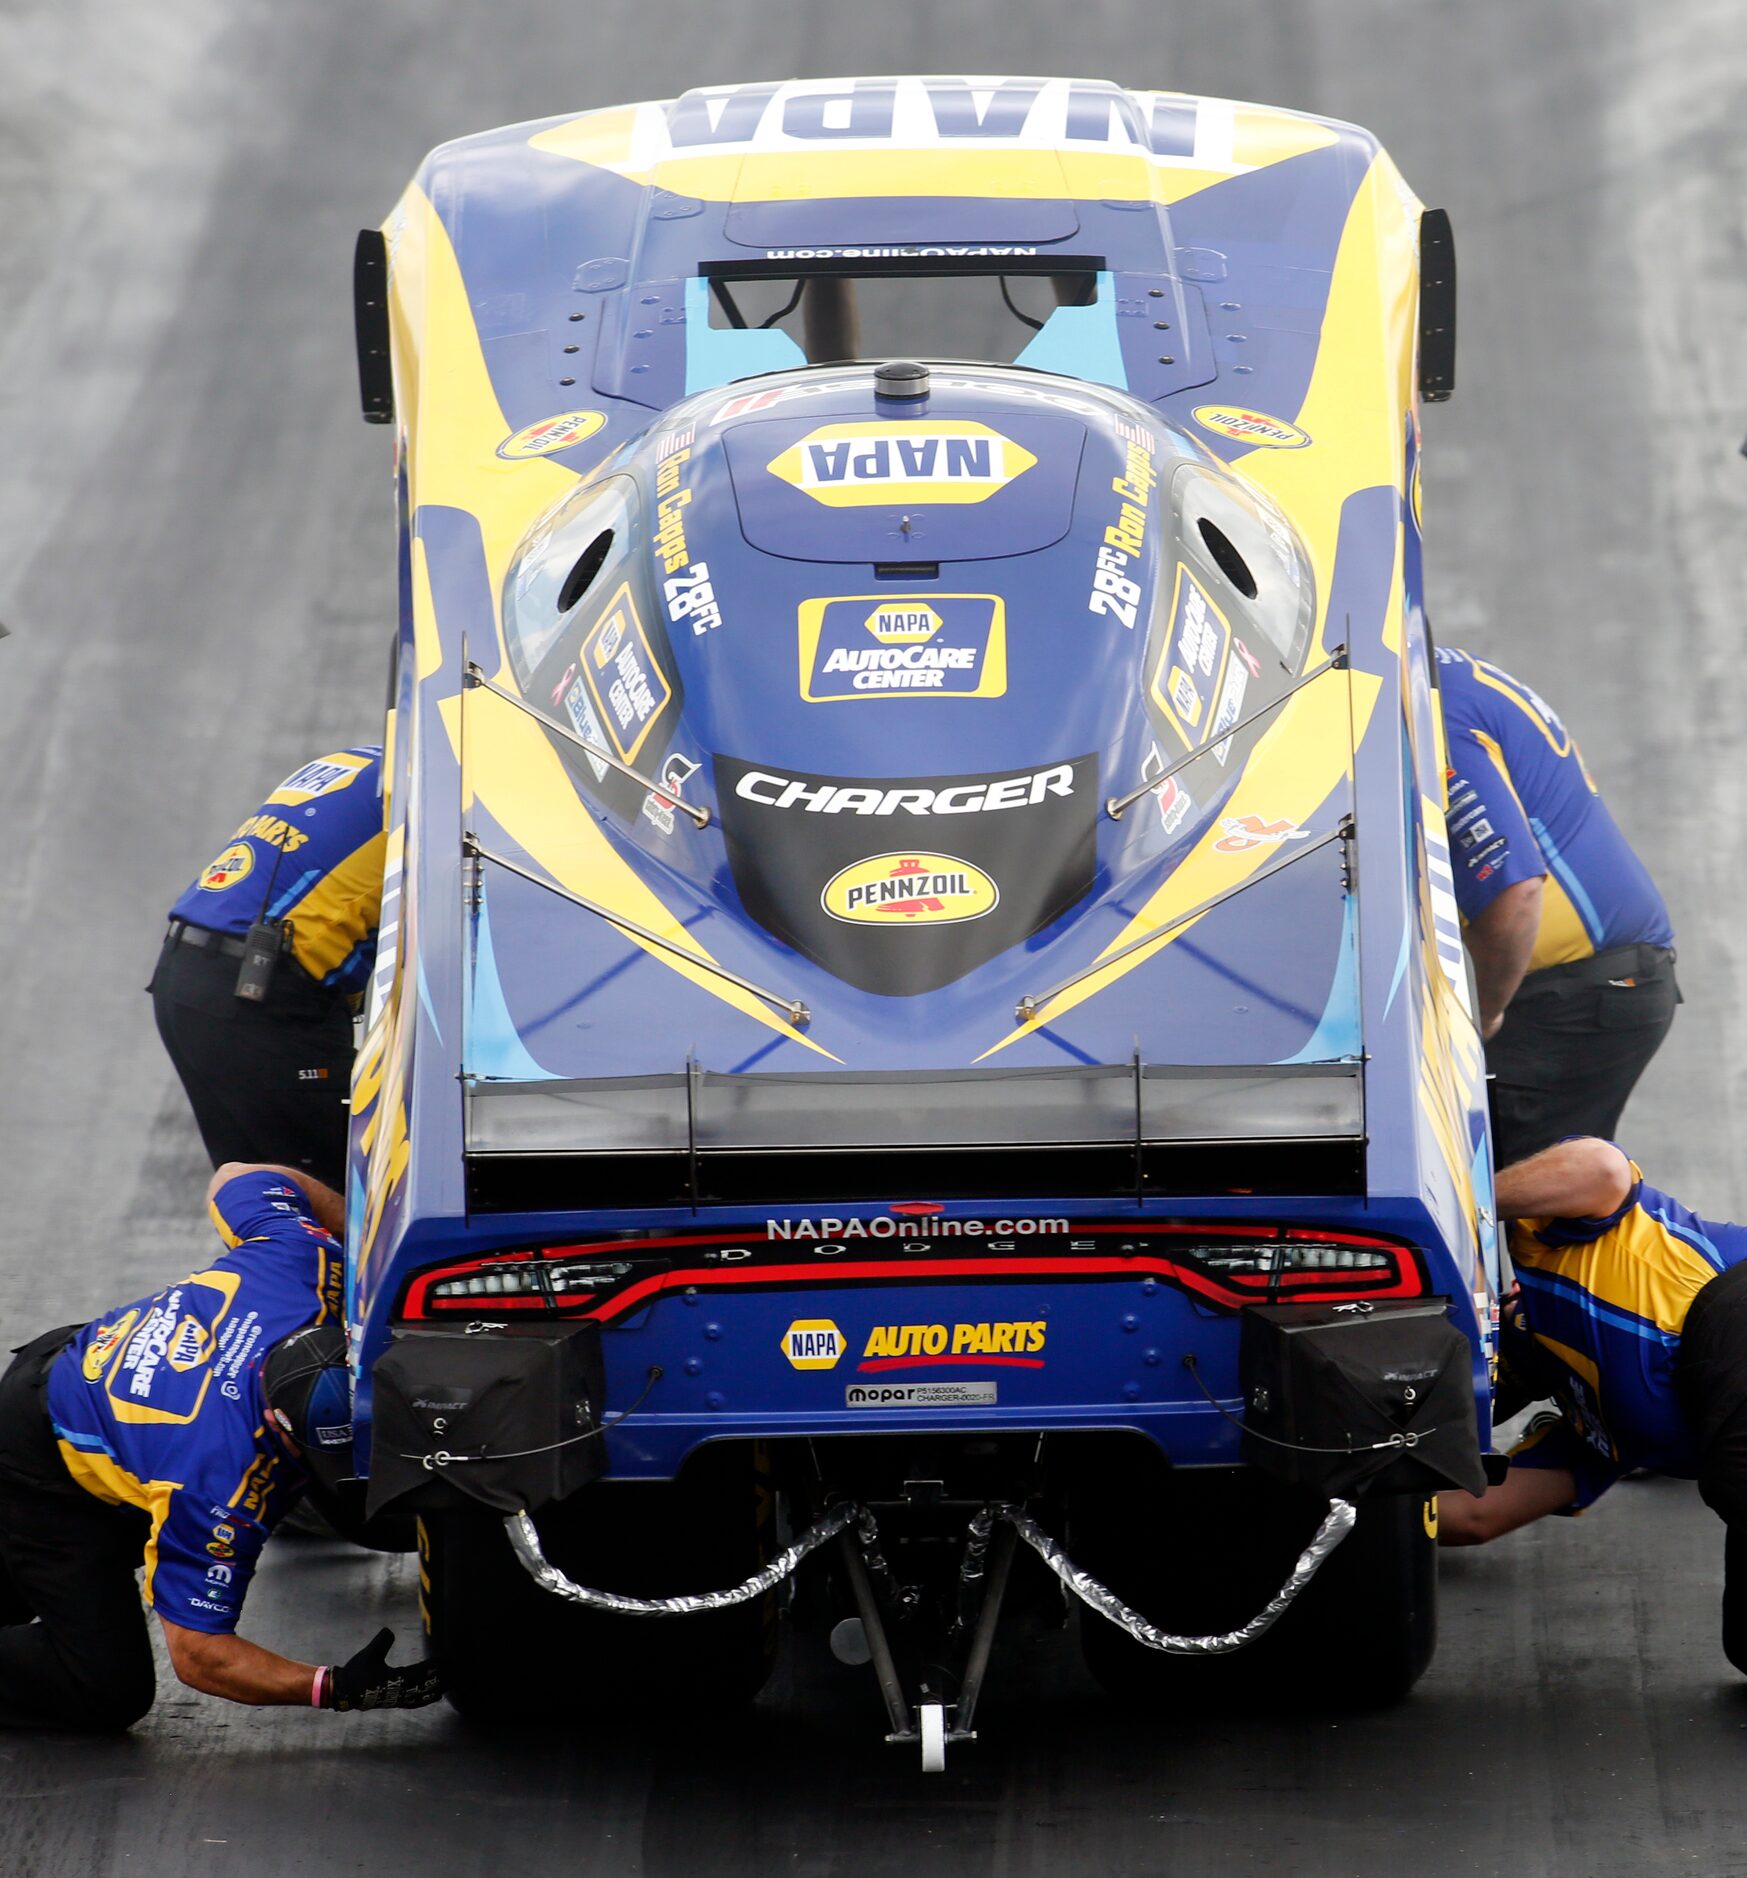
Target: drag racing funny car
(920,1062)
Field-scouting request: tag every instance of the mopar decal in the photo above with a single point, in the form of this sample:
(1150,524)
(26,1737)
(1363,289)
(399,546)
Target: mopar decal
(857,464)
(920,1395)
(944,645)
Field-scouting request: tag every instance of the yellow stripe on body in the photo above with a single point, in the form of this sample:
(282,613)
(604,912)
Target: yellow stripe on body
(1637,1266)
(108,1480)
(508,763)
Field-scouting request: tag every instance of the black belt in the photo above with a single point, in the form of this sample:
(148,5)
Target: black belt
(203,938)
(1578,974)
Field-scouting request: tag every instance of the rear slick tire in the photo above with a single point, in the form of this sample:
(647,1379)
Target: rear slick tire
(1203,1551)
(511,1652)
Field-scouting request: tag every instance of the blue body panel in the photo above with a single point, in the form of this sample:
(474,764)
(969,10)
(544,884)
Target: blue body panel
(537,283)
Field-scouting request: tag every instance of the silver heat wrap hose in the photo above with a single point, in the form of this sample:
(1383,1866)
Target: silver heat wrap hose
(1337,1523)
(548,1577)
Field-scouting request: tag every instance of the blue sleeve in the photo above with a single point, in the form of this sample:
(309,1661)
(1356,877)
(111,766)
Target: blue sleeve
(262,1206)
(1557,1444)
(200,1560)
(1491,842)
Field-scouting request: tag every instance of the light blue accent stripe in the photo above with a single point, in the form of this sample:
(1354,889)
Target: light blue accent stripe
(1400,965)
(494,1047)
(1337,1034)
(425,1001)
(1568,880)
(1081,341)
(86,1444)
(1591,1306)
(715,357)
(1705,1248)
(295,892)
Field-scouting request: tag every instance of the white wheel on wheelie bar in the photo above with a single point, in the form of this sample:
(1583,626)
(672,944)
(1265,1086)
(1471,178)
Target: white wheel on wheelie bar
(931,1717)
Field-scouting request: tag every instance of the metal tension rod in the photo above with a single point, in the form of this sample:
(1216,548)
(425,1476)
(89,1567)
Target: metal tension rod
(1336,661)
(472,675)
(1028,1007)
(792,1008)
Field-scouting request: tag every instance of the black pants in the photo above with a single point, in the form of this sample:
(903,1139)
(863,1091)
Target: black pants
(1573,1044)
(74,1652)
(267,1081)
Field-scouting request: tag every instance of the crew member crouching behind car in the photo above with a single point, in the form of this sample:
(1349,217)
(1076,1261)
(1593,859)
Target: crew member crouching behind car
(263,963)
(1633,1317)
(176,1432)
(1572,948)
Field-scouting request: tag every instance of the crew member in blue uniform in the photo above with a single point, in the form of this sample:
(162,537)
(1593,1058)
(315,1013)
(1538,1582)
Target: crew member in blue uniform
(175,1432)
(1633,1317)
(1572,948)
(265,959)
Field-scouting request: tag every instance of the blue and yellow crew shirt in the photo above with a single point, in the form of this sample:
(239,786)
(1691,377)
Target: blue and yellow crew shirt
(312,856)
(1521,803)
(1605,1301)
(158,1405)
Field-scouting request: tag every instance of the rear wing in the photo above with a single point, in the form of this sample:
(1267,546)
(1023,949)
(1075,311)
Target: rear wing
(1117,1131)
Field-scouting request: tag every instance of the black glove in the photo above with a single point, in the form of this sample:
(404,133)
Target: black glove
(367,1681)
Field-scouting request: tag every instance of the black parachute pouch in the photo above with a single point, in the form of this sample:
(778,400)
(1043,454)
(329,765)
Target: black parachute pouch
(1351,1399)
(506,1417)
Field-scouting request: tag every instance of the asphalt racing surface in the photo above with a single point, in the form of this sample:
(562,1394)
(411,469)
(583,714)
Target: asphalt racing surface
(195,562)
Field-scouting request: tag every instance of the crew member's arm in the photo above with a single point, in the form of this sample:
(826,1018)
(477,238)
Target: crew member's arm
(1501,941)
(230,1666)
(224,1664)
(327,1207)
(1523,1496)
(1498,865)
(1583,1178)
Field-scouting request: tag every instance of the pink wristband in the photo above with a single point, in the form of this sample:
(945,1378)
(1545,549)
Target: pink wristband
(318,1687)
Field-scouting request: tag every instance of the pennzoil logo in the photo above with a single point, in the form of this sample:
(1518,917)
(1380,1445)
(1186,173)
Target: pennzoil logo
(813,1343)
(236,863)
(851,466)
(552,434)
(910,890)
(1252,427)
(105,1344)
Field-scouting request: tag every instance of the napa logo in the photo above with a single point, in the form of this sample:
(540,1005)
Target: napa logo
(813,1343)
(850,466)
(552,434)
(910,890)
(913,623)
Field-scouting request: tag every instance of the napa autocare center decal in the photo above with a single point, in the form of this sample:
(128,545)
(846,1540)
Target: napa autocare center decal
(940,645)
(1189,680)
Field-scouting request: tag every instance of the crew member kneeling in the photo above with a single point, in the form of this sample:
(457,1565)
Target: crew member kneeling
(176,1432)
(264,960)
(1633,1317)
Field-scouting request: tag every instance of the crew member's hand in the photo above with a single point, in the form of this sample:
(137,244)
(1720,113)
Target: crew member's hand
(369,1681)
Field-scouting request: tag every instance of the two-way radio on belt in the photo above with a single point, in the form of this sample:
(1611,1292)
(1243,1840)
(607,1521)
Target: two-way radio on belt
(265,941)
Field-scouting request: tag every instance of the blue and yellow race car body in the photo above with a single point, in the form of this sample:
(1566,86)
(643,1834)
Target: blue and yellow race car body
(1065,956)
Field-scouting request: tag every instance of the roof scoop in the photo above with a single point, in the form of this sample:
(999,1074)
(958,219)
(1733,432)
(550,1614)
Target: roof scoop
(901,378)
